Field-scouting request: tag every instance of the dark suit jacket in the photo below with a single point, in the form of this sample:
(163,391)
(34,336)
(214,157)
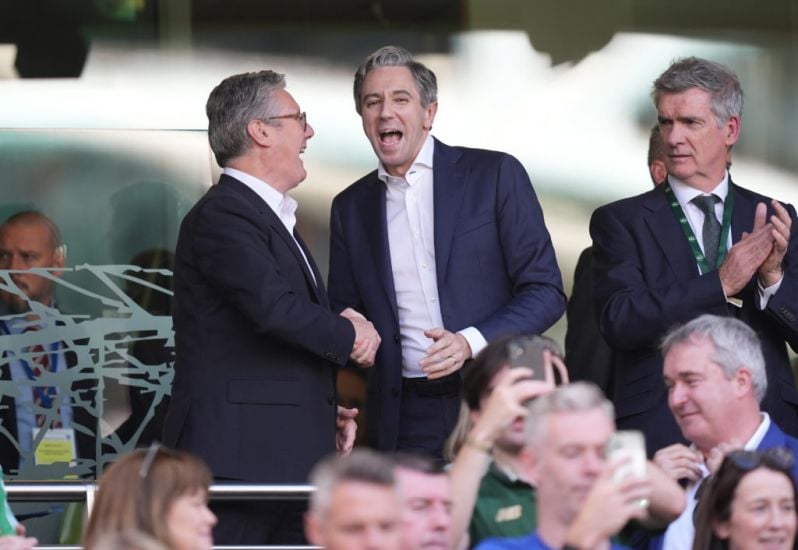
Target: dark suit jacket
(647,281)
(587,355)
(256,344)
(496,267)
(84,418)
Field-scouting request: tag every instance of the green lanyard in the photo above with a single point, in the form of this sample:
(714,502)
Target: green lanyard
(688,231)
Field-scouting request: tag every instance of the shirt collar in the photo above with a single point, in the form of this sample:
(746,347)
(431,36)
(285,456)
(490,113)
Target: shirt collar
(276,200)
(760,432)
(422,160)
(684,193)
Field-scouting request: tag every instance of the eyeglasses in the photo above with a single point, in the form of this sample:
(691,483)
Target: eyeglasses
(302,118)
(149,458)
(777,458)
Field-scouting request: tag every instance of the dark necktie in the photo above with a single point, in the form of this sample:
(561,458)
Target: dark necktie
(711,231)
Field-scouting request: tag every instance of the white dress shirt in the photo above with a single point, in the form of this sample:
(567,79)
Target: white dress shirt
(411,239)
(282,205)
(685,195)
(680,533)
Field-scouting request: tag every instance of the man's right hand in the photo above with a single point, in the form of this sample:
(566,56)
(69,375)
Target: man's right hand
(748,254)
(507,402)
(679,462)
(367,340)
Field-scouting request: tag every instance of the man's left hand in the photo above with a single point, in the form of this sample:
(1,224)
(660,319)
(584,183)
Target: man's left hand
(446,355)
(770,272)
(345,430)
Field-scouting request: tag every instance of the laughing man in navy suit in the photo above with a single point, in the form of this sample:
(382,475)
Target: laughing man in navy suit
(442,248)
(659,260)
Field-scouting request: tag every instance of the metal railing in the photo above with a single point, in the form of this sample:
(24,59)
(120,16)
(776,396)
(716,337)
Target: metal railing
(84,491)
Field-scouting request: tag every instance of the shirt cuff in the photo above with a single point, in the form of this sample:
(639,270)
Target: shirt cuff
(766,293)
(475,339)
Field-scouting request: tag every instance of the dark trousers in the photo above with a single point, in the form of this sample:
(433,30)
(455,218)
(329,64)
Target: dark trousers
(428,414)
(252,522)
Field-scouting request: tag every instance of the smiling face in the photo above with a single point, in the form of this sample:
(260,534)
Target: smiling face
(697,148)
(191,522)
(287,141)
(394,120)
(703,400)
(762,513)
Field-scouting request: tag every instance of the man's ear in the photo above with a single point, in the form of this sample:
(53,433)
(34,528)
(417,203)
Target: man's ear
(744,381)
(530,465)
(732,129)
(260,132)
(429,115)
(312,531)
(59,258)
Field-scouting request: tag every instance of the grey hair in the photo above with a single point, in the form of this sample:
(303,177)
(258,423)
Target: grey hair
(232,104)
(736,346)
(574,397)
(719,81)
(394,56)
(362,465)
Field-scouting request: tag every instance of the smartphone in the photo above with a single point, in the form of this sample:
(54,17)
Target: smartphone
(528,353)
(627,443)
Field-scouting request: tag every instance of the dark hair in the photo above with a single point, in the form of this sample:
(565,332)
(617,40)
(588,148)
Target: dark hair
(418,463)
(715,505)
(489,362)
(656,147)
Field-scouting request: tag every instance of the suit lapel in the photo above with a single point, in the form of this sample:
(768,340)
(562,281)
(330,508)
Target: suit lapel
(743,214)
(317,288)
(273,223)
(449,182)
(372,208)
(669,236)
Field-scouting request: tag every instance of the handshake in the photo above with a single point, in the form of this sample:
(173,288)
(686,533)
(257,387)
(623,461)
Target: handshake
(367,340)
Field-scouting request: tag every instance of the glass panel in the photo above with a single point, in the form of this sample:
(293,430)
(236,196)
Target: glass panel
(88,348)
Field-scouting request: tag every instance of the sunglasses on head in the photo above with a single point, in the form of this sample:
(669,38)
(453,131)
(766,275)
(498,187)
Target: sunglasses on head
(777,458)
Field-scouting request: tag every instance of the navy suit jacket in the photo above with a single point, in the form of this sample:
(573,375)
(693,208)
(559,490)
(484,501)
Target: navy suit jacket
(647,281)
(496,267)
(256,343)
(774,438)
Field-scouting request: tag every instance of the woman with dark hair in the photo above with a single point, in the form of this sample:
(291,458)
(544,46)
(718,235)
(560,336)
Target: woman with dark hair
(749,503)
(159,493)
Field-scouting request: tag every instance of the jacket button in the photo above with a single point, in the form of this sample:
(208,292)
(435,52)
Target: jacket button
(331,356)
(331,400)
(396,338)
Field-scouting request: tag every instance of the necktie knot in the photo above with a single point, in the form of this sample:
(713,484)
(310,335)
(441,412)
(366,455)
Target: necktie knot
(706,203)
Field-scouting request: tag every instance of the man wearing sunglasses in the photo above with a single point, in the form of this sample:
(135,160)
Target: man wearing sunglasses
(715,374)
(256,343)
